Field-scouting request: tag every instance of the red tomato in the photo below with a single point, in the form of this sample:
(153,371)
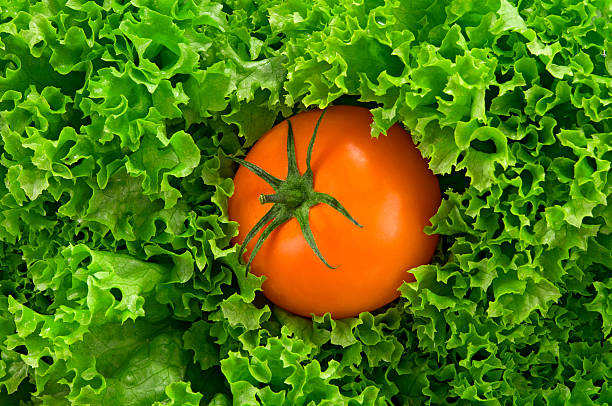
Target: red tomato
(384,183)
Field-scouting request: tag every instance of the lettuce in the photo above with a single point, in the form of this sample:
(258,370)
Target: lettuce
(118,280)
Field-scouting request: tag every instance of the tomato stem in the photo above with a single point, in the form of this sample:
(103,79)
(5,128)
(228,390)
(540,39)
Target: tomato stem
(293,198)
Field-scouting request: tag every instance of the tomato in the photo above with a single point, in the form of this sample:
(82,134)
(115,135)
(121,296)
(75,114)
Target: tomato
(384,183)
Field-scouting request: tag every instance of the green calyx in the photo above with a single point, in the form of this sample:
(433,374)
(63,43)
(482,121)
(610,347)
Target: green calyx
(293,198)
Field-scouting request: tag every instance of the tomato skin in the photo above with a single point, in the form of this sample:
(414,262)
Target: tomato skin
(384,184)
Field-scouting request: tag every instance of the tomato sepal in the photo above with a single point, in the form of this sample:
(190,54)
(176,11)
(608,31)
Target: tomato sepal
(293,198)
(270,179)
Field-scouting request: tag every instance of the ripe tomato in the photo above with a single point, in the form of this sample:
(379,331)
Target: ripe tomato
(384,184)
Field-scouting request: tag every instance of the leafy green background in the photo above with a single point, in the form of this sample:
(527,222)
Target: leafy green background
(118,284)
